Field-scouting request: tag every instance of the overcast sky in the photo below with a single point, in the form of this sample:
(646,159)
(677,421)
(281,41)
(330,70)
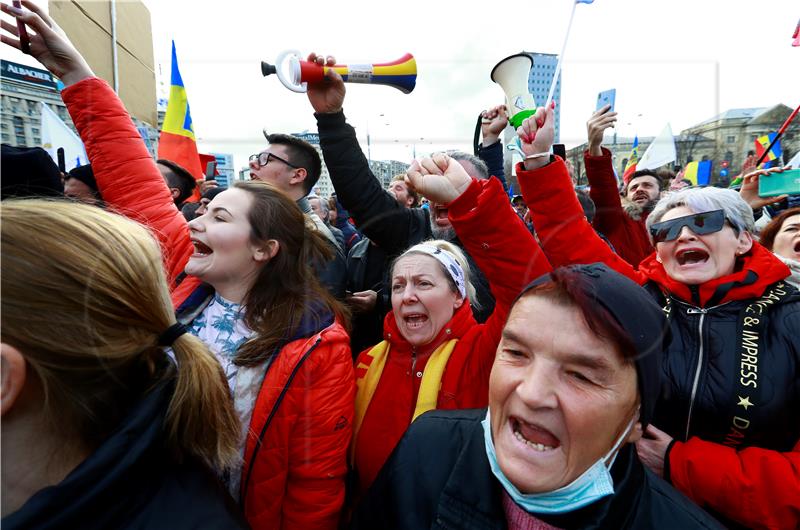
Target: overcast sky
(676,61)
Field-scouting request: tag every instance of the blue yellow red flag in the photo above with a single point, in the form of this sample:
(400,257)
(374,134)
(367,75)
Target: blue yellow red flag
(762,143)
(630,167)
(699,173)
(177,140)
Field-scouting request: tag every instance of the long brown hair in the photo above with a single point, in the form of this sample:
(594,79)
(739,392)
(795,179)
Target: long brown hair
(286,285)
(85,300)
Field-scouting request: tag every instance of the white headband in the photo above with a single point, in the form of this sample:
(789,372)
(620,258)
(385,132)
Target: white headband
(448,260)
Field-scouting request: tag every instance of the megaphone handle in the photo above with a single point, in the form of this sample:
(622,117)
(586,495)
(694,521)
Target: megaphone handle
(294,87)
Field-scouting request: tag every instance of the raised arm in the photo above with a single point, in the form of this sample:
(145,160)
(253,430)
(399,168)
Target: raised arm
(600,173)
(564,233)
(374,210)
(493,123)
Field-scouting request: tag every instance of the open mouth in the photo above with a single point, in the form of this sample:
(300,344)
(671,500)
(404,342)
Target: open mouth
(534,436)
(440,216)
(415,320)
(641,197)
(201,248)
(797,246)
(691,256)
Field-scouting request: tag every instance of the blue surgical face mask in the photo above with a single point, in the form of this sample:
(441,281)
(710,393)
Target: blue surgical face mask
(594,484)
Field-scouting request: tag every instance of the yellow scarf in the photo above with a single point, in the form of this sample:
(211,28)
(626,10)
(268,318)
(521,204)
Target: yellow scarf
(373,368)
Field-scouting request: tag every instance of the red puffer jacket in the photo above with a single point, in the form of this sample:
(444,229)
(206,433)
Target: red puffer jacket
(627,235)
(506,252)
(295,453)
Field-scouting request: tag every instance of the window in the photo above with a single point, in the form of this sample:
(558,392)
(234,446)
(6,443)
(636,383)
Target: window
(731,140)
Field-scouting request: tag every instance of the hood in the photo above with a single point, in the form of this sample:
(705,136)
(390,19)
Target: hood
(461,322)
(114,479)
(634,211)
(754,272)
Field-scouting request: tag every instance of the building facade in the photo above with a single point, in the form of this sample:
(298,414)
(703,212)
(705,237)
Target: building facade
(724,139)
(23,90)
(385,170)
(225,169)
(539,81)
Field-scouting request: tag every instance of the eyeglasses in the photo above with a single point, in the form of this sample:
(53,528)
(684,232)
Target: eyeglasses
(265,158)
(699,223)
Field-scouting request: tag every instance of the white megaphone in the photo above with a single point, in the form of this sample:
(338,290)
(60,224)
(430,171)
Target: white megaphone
(512,75)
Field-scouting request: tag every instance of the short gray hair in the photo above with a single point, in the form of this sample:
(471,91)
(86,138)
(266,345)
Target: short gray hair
(480,166)
(323,204)
(700,200)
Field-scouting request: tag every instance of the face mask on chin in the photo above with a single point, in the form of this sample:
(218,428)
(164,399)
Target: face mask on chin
(592,485)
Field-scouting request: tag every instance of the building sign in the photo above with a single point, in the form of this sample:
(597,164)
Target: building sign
(312,138)
(27,74)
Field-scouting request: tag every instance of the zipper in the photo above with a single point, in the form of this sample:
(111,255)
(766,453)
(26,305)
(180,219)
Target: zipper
(702,313)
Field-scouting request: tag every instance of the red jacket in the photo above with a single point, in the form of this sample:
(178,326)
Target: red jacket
(757,487)
(627,234)
(507,254)
(295,454)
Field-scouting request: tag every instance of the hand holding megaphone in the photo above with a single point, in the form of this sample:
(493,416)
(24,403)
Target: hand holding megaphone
(536,136)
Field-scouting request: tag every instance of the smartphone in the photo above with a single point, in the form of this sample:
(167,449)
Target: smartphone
(24,41)
(783,183)
(560,150)
(607,97)
(62,162)
(211,167)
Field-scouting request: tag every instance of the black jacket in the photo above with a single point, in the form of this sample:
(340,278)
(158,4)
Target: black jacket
(132,482)
(703,349)
(439,477)
(376,213)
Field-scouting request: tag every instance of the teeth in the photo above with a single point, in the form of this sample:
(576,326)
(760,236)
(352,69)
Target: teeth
(538,447)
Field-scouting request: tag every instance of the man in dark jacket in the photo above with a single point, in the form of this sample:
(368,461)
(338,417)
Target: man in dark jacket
(377,214)
(293,166)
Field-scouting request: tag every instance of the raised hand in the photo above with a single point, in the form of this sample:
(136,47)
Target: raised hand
(439,178)
(326,97)
(536,135)
(493,123)
(597,124)
(48,43)
(749,189)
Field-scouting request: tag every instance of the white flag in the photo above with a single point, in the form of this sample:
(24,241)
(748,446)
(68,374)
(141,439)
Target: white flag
(795,161)
(660,152)
(55,134)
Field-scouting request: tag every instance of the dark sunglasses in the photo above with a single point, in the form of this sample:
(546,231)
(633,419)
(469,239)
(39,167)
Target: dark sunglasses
(265,158)
(699,223)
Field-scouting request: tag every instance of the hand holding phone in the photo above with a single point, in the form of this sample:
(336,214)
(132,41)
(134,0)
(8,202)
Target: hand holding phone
(779,183)
(24,41)
(607,97)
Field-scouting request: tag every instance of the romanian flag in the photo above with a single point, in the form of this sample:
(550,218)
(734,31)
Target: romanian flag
(177,141)
(698,172)
(762,143)
(630,168)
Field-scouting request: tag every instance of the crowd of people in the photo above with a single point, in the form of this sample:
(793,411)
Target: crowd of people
(430,355)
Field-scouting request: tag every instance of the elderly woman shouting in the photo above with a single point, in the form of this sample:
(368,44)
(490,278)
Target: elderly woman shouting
(554,448)
(434,354)
(725,430)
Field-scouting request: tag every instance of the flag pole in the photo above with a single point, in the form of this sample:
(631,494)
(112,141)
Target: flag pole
(777,136)
(561,57)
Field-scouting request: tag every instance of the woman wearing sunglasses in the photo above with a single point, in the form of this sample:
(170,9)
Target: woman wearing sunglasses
(725,430)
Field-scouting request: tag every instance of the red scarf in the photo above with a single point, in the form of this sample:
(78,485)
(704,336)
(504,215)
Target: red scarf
(754,272)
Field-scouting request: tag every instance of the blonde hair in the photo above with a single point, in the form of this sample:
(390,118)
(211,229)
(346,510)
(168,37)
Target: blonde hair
(85,299)
(459,256)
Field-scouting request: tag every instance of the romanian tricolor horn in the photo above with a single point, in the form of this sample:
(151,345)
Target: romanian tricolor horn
(400,74)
